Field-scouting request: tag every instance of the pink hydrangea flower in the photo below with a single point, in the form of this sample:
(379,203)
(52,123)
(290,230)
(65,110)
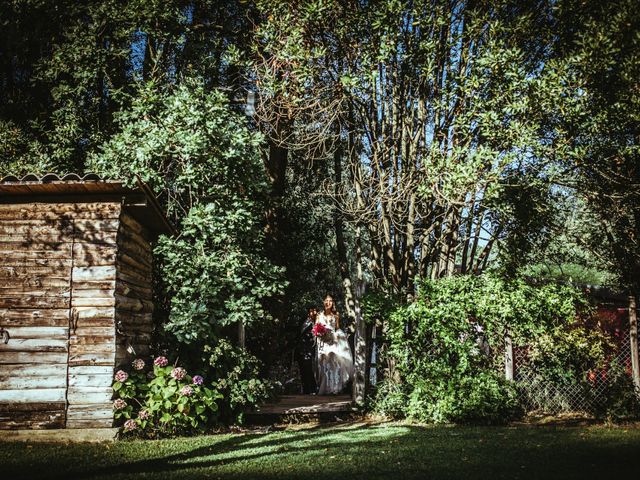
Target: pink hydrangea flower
(130,425)
(138,364)
(187,391)
(178,373)
(197,380)
(161,362)
(121,376)
(119,404)
(143,415)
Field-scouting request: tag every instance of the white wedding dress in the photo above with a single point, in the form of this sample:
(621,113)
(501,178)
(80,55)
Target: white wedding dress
(335,361)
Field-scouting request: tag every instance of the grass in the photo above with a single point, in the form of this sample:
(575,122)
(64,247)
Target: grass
(365,451)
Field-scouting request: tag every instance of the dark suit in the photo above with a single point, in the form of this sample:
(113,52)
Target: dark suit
(307,357)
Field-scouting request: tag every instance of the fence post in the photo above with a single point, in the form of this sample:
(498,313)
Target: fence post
(508,356)
(633,339)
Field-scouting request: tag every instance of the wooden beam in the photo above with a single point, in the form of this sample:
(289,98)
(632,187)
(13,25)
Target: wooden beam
(508,356)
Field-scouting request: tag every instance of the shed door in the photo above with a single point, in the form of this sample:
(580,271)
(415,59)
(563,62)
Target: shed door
(36,243)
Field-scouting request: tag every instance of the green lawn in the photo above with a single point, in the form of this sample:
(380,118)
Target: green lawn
(375,451)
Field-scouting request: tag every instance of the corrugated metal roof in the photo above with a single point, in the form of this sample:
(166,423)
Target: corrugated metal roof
(90,187)
(53,184)
(52,177)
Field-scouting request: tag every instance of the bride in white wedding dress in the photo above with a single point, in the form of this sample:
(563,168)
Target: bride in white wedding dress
(335,361)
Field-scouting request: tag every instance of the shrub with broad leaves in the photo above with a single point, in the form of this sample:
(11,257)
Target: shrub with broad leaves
(166,401)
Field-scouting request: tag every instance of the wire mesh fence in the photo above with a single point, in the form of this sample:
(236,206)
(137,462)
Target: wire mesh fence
(559,394)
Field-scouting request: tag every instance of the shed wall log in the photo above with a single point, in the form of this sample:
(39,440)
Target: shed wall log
(57,293)
(134,294)
(69,273)
(35,268)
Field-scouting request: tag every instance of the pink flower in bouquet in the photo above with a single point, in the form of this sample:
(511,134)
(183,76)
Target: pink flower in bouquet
(161,362)
(319,330)
(178,373)
(119,404)
(130,425)
(121,376)
(187,391)
(143,415)
(138,364)
(197,380)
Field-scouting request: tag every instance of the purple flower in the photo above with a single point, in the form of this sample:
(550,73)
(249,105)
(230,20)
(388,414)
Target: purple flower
(197,380)
(187,391)
(178,373)
(121,376)
(130,425)
(143,415)
(138,364)
(161,362)
(119,404)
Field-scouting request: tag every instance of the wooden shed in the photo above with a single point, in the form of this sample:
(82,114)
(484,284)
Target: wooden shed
(75,295)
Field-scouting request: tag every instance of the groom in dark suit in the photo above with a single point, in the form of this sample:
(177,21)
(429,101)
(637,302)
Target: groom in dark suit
(307,353)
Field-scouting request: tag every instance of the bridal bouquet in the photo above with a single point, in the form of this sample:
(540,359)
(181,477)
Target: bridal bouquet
(321,331)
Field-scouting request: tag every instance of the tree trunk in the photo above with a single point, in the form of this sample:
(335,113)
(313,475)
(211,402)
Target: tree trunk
(343,261)
(360,340)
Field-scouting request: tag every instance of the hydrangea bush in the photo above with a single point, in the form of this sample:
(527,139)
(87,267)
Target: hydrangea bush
(163,401)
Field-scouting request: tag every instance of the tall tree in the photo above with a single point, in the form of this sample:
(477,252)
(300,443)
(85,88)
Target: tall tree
(67,67)
(433,104)
(596,122)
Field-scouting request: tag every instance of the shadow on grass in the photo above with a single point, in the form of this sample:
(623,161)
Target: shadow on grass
(365,451)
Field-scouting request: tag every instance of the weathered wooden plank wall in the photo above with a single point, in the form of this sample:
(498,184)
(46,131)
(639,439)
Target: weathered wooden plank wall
(57,298)
(92,336)
(33,365)
(134,295)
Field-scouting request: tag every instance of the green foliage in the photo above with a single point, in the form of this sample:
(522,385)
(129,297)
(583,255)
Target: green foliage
(565,353)
(189,146)
(20,153)
(391,399)
(215,273)
(447,346)
(164,402)
(569,257)
(440,98)
(203,161)
(462,397)
(621,398)
(377,306)
(69,67)
(595,116)
(237,378)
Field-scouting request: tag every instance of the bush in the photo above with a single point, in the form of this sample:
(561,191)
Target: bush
(215,272)
(203,162)
(447,347)
(236,374)
(391,400)
(440,348)
(164,401)
(621,399)
(482,398)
